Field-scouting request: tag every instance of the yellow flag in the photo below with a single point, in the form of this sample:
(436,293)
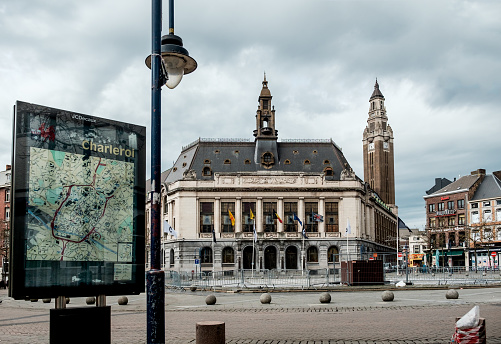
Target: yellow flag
(231,218)
(251,214)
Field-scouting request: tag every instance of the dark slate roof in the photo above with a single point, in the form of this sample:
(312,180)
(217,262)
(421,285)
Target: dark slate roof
(463,183)
(489,188)
(233,156)
(377,93)
(439,184)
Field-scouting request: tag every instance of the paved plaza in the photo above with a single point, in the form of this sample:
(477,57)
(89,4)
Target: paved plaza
(353,316)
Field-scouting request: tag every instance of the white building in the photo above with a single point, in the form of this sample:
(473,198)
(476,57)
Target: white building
(223,188)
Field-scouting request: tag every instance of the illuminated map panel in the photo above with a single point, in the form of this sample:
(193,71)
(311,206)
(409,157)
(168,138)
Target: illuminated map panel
(78,214)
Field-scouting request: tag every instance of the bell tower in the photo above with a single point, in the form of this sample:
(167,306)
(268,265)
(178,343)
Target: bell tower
(266,152)
(379,167)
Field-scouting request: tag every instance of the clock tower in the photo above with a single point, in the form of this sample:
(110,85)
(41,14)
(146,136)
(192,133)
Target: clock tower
(379,168)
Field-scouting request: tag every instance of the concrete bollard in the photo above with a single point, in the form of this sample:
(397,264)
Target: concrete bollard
(451,294)
(210,300)
(46,300)
(90,300)
(210,332)
(123,300)
(387,296)
(193,288)
(325,298)
(265,298)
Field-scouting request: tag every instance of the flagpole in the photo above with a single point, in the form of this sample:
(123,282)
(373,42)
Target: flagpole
(302,257)
(213,263)
(254,234)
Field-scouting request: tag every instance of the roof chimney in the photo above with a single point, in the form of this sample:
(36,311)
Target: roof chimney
(479,172)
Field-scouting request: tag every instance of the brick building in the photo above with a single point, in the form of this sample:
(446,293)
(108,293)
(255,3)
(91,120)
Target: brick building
(5,199)
(447,220)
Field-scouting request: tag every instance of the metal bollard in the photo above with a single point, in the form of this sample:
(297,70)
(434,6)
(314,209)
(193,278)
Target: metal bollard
(211,332)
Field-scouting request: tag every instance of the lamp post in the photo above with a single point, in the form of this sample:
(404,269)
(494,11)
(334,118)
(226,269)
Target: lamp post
(168,61)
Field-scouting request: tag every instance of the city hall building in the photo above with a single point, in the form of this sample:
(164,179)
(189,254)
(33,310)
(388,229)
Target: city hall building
(224,198)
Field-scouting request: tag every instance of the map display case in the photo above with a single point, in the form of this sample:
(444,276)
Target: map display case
(78,205)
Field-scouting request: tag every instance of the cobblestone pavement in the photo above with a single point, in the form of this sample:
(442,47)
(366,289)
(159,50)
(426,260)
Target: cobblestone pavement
(415,316)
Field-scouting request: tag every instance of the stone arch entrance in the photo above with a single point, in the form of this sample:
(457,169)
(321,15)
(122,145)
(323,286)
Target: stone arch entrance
(291,258)
(270,258)
(247,258)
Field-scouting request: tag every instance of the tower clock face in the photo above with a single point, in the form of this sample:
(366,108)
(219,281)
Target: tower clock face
(386,145)
(371,146)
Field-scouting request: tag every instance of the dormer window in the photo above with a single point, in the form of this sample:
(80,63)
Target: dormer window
(227,162)
(287,162)
(307,162)
(326,162)
(328,172)
(206,161)
(267,160)
(247,162)
(206,172)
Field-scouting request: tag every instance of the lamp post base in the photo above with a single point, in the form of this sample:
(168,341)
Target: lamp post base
(155,301)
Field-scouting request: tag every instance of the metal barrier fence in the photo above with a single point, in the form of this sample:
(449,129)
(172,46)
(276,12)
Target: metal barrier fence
(326,277)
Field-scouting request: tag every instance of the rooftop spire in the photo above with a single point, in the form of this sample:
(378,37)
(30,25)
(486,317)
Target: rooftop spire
(377,93)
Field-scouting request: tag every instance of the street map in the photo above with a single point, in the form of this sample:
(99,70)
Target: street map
(80,207)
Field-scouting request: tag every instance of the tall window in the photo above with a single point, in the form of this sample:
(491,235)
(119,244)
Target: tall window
(498,214)
(461,219)
(441,206)
(226,208)
(7,213)
(228,255)
(309,209)
(333,254)
(247,223)
(206,217)
(451,221)
(269,221)
(487,216)
(290,208)
(460,203)
(7,195)
(433,222)
(206,255)
(331,217)
(431,208)
(312,254)
(450,205)
(475,217)
(441,222)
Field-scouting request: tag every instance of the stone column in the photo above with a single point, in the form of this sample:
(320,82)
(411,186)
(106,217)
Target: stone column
(300,213)
(321,211)
(238,215)
(280,211)
(259,215)
(217,216)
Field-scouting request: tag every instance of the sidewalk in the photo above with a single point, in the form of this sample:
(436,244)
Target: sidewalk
(415,316)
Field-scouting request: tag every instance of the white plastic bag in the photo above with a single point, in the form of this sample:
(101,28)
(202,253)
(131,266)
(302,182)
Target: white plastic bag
(400,284)
(470,319)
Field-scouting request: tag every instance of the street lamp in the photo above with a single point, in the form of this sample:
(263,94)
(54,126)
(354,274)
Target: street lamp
(168,61)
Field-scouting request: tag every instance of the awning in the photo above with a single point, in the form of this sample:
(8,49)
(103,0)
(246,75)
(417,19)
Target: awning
(451,253)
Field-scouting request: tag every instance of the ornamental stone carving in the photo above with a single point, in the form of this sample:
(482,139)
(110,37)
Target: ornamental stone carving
(270,180)
(347,173)
(190,175)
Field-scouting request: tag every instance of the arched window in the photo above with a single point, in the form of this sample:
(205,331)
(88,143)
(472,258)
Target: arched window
(206,172)
(312,254)
(326,162)
(328,172)
(307,162)
(267,159)
(287,162)
(228,255)
(206,255)
(247,162)
(206,161)
(333,254)
(227,162)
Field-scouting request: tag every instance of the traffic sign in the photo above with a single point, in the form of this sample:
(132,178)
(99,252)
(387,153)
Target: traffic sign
(197,261)
(494,254)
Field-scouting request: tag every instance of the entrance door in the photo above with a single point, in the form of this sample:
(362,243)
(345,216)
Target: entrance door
(291,258)
(270,258)
(247,259)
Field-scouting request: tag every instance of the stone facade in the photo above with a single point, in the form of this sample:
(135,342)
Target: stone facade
(223,189)
(5,201)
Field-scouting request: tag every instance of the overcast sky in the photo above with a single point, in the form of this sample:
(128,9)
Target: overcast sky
(438,64)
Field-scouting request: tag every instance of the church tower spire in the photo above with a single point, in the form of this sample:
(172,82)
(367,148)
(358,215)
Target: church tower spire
(266,152)
(379,167)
